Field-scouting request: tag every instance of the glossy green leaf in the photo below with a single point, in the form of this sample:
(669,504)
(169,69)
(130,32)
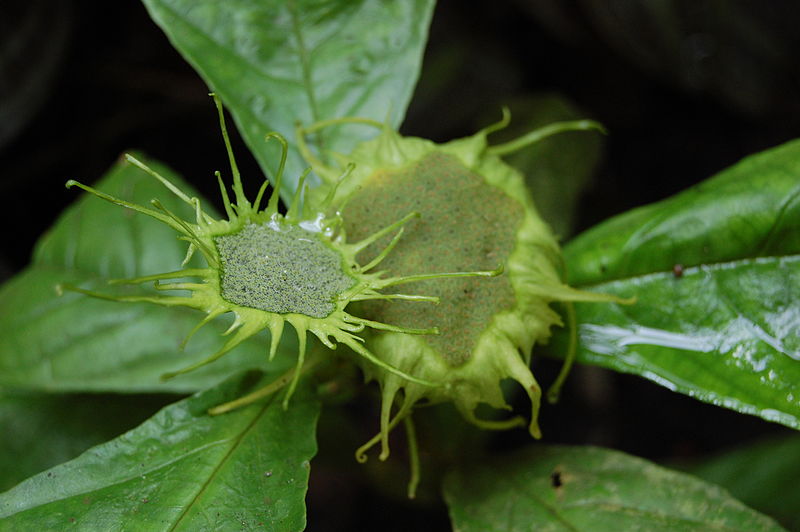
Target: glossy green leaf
(44,430)
(182,470)
(716,274)
(749,210)
(763,475)
(276,63)
(74,342)
(589,489)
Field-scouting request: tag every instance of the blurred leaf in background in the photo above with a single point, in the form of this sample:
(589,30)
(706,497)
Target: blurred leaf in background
(762,475)
(589,488)
(44,430)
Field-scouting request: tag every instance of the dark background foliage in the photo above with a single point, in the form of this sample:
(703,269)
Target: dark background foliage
(685,88)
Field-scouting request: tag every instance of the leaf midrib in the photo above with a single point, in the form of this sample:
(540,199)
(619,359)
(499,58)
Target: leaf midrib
(236,442)
(305,63)
(714,265)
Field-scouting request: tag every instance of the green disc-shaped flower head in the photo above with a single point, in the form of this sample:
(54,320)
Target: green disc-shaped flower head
(475,214)
(268,269)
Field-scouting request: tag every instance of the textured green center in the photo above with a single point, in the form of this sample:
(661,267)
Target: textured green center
(281,268)
(466,225)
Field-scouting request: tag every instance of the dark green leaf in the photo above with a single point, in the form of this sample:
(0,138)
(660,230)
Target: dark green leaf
(762,475)
(278,62)
(592,489)
(182,470)
(749,210)
(75,342)
(41,430)
(716,274)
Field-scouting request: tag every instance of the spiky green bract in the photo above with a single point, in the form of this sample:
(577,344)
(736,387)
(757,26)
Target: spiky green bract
(475,211)
(269,269)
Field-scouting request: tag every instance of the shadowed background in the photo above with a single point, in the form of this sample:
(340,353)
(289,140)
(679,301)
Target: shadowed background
(685,89)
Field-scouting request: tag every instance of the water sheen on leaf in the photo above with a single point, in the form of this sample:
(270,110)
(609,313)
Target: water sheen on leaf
(182,470)
(74,342)
(716,270)
(277,62)
(559,488)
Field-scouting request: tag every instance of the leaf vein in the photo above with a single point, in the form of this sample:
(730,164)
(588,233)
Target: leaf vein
(236,442)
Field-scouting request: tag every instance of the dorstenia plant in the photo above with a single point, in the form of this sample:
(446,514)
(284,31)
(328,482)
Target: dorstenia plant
(466,216)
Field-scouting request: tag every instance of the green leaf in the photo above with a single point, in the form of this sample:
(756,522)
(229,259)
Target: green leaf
(591,489)
(278,62)
(71,423)
(749,210)
(74,342)
(724,324)
(182,470)
(762,475)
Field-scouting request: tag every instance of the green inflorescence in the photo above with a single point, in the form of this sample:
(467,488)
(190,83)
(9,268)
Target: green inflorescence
(269,269)
(476,211)
(467,223)
(281,268)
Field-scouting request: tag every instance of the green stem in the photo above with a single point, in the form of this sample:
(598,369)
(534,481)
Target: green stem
(267,390)
(413,456)
(555,389)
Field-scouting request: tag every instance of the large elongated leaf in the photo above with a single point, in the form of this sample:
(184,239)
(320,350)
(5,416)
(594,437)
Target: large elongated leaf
(182,470)
(277,62)
(749,210)
(716,271)
(589,489)
(74,342)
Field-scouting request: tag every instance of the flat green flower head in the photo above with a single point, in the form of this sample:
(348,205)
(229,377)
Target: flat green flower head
(467,223)
(281,268)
